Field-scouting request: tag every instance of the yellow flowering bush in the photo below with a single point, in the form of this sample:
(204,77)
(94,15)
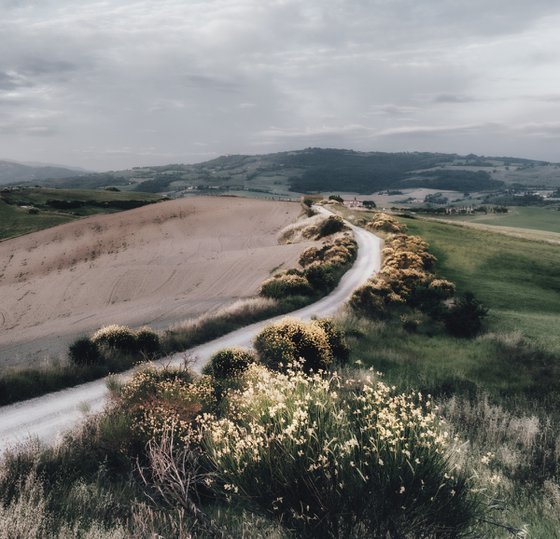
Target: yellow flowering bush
(334,457)
(445,289)
(284,342)
(385,223)
(405,278)
(285,284)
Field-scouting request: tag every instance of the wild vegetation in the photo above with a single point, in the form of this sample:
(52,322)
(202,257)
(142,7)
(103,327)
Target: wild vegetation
(285,452)
(262,448)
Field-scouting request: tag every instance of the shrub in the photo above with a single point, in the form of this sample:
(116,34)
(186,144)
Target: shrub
(331,225)
(386,223)
(338,458)
(148,341)
(290,340)
(321,277)
(310,255)
(115,336)
(286,285)
(160,400)
(229,363)
(369,204)
(336,198)
(465,317)
(336,339)
(308,202)
(84,351)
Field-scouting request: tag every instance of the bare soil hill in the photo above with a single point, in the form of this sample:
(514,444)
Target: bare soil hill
(155,265)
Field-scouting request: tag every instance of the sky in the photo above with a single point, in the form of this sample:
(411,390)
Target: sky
(106,85)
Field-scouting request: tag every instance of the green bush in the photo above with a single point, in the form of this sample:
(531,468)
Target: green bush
(331,225)
(464,319)
(336,339)
(321,277)
(148,341)
(291,340)
(229,363)
(336,198)
(84,351)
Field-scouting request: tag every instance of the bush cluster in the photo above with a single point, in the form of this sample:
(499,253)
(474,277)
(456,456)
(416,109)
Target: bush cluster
(407,279)
(322,269)
(383,222)
(88,351)
(331,225)
(124,339)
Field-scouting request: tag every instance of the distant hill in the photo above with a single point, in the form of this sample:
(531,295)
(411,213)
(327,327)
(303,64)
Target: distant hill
(14,172)
(313,170)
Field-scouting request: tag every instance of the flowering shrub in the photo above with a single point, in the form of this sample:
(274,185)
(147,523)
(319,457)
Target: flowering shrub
(115,336)
(287,341)
(405,278)
(385,223)
(282,285)
(323,268)
(158,401)
(336,339)
(443,288)
(337,458)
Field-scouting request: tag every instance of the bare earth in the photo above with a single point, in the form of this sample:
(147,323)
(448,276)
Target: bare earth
(155,265)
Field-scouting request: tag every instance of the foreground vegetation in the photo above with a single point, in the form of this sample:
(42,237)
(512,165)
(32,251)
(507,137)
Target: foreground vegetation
(285,450)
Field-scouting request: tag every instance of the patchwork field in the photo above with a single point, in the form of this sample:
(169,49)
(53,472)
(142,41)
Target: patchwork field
(154,265)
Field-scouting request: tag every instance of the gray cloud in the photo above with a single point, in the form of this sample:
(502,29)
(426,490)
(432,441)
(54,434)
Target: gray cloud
(106,85)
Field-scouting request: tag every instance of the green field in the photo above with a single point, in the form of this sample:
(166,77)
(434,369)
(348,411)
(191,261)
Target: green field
(517,279)
(531,218)
(27,210)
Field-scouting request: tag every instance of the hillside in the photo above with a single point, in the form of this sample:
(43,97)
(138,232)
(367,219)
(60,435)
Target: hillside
(290,174)
(28,209)
(13,172)
(154,265)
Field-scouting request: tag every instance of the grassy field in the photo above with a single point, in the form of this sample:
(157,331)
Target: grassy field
(547,219)
(27,210)
(516,278)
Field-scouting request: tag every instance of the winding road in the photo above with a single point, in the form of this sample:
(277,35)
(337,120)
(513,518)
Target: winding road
(47,417)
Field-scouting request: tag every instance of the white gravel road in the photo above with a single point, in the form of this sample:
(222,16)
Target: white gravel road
(47,417)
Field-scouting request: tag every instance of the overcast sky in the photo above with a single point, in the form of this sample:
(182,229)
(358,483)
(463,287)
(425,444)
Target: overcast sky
(114,84)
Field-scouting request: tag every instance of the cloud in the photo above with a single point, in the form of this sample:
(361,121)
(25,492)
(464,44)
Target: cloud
(161,78)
